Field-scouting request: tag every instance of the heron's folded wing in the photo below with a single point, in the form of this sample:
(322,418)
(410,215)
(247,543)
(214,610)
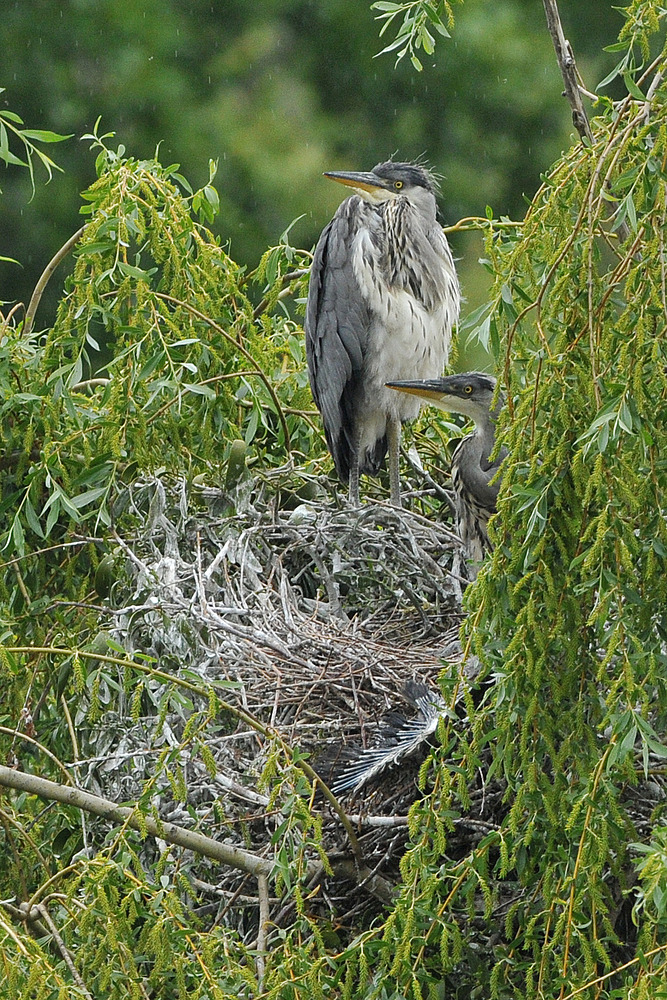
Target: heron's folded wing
(337,322)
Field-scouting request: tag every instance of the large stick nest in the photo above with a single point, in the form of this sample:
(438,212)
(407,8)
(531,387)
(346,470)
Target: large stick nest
(316,615)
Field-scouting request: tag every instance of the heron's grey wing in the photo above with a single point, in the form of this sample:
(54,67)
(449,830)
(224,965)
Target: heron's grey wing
(400,738)
(476,496)
(336,326)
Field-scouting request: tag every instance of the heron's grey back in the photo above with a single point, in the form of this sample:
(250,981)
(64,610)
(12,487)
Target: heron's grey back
(337,324)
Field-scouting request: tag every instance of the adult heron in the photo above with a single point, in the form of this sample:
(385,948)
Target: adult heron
(473,472)
(382,300)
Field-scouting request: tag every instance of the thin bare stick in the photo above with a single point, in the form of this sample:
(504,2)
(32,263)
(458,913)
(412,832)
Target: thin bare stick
(286,279)
(60,944)
(90,383)
(45,277)
(263,892)
(75,751)
(573,90)
(49,548)
(18,735)
(651,92)
(15,308)
(360,819)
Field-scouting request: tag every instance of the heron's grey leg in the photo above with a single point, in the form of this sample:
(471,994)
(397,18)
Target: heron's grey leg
(353,479)
(354,484)
(394,443)
(457,574)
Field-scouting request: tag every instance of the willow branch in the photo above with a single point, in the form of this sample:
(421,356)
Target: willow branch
(45,277)
(27,914)
(227,854)
(241,349)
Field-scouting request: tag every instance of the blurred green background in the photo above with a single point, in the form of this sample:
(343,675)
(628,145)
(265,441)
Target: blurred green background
(279,91)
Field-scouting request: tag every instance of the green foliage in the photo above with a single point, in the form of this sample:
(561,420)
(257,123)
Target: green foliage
(131,938)
(126,914)
(155,359)
(652,869)
(158,358)
(12,125)
(568,617)
(413,32)
(248,84)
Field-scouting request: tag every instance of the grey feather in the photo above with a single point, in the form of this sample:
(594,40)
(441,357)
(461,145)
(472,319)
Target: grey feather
(399,738)
(382,300)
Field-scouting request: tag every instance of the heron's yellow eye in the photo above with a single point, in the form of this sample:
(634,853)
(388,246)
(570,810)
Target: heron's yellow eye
(398,185)
(468,389)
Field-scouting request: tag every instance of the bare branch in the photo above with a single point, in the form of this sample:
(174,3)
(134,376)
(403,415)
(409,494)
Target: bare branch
(45,278)
(227,854)
(651,92)
(568,68)
(236,857)
(60,944)
(29,914)
(573,88)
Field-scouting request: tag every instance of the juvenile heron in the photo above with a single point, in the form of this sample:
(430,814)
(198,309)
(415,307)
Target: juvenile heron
(472,471)
(382,300)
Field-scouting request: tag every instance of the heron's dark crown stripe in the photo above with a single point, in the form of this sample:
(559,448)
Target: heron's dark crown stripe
(412,174)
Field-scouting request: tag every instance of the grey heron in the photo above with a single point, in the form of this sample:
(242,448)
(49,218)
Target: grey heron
(382,300)
(473,473)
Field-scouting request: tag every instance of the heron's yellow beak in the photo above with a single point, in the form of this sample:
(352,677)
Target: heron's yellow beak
(362,180)
(416,391)
(434,391)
